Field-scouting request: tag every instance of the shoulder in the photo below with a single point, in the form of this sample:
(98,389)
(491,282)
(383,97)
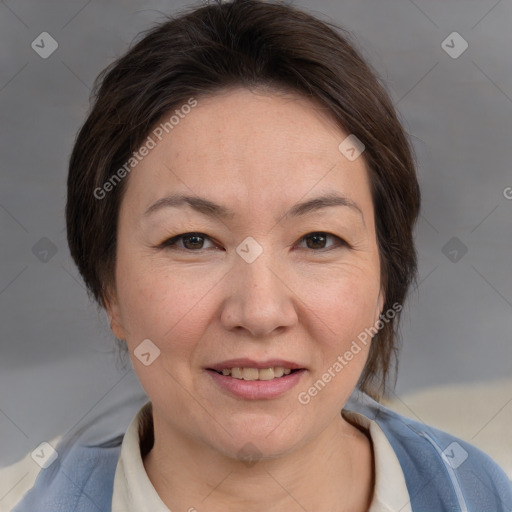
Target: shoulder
(68,476)
(442,472)
(18,478)
(74,471)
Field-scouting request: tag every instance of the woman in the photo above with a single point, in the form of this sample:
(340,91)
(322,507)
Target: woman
(241,201)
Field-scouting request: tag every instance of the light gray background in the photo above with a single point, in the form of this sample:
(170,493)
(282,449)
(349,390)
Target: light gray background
(57,367)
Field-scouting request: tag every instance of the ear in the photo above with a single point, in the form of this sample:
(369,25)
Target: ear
(381,299)
(112,308)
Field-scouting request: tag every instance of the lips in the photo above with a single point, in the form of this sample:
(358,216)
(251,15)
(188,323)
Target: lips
(269,370)
(251,363)
(273,372)
(253,380)
(250,370)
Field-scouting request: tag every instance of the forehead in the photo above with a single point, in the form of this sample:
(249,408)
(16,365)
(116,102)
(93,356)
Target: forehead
(264,147)
(237,125)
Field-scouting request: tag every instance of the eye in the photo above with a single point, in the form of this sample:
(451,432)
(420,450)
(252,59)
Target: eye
(319,239)
(194,242)
(191,241)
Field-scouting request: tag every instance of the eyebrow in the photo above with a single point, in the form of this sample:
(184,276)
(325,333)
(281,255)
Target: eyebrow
(211,209)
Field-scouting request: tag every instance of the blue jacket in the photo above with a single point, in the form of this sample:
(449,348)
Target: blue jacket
(442,473)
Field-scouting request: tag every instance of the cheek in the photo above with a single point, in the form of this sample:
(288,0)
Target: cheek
(342,310)
(161,305)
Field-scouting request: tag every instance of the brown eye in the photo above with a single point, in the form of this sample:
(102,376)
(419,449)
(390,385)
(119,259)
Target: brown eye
(193,242)
(318,240)
(190,241)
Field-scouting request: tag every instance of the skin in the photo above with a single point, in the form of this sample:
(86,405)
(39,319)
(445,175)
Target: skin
(301,300)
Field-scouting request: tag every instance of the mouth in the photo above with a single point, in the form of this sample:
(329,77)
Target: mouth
(250,369)
(251,373)
(252,380)
(248,380)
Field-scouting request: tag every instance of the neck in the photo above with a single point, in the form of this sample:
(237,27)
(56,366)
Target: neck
(334,472)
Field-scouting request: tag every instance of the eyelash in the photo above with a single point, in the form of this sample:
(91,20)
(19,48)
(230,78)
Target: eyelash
(171,242)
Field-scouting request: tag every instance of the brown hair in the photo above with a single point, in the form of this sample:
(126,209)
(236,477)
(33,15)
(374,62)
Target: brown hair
(247,43)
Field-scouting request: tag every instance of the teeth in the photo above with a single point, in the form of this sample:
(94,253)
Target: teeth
(250,373)
(255,373)
(266,374)
(237,373)
(278,372)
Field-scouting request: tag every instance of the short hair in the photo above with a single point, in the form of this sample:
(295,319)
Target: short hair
(253,44)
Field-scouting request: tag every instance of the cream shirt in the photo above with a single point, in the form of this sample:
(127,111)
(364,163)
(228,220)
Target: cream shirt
(134,492)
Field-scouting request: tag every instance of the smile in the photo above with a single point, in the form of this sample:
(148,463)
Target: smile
(249,383)
(273,372)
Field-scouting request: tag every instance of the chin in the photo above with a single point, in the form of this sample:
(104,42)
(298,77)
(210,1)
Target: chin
(261,438)
(253,451)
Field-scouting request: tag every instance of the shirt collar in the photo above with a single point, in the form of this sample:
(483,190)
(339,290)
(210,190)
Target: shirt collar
(133,490)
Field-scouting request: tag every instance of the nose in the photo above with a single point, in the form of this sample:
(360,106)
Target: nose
(259,297)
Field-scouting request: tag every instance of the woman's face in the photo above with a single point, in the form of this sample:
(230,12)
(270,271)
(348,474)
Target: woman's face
(269,284)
